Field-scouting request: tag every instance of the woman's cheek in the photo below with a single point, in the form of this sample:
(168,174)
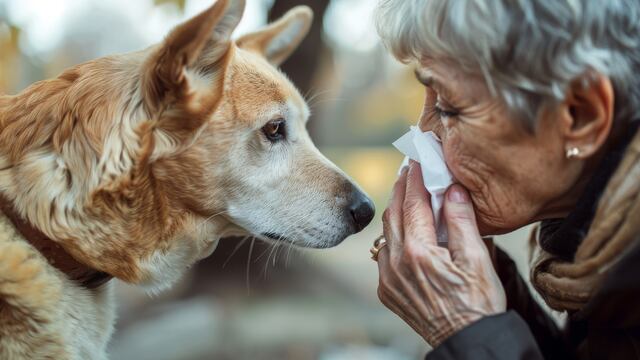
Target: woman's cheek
(453,150)
(464,163)
(493,204)
(447,123)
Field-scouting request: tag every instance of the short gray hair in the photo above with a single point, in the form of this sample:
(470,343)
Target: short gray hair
(528,51)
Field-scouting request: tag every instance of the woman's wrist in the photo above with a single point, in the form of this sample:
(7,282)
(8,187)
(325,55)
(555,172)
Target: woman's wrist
(437,336)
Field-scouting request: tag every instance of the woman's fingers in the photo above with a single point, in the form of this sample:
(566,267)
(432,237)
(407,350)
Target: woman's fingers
(418,279)
(392,217)
(464,238)
(419,228)
(383,262)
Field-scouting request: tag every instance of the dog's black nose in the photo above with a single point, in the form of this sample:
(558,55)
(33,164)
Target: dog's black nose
(361,209)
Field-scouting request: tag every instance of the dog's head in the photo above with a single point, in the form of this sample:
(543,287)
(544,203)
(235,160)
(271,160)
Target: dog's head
(146,159)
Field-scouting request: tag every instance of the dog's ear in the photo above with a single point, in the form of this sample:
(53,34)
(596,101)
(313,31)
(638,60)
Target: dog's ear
(183,78)
(204,38)
(278,40)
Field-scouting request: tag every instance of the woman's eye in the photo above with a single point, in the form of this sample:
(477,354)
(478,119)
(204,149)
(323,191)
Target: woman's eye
(444,113)
(274,130)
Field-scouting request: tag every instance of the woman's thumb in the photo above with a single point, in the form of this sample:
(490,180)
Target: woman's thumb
(461,220)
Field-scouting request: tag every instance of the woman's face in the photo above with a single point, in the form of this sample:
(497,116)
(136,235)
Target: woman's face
(515,176)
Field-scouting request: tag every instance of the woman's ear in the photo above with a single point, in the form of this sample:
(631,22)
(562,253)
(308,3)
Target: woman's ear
(588,114)
(278,40)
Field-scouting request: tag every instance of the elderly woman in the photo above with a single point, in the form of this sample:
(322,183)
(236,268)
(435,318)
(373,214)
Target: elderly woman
(535,102)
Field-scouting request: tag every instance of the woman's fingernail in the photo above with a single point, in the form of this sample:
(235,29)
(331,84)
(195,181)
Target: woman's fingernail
(458,195)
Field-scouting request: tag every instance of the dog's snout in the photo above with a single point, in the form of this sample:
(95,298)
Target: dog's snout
(361,209)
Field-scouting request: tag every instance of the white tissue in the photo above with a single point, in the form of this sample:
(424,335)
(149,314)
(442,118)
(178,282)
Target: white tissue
(426,148)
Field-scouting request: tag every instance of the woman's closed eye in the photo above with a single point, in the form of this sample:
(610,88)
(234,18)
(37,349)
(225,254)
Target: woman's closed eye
(440,110)
(436,111)
(437,108)
(443,112)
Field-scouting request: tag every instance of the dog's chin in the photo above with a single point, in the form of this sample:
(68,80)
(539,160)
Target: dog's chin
(310,242)
(302,243)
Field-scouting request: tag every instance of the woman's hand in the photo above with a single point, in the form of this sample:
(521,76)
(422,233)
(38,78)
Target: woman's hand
(437,291)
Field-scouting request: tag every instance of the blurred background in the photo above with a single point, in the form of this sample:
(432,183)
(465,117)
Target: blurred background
(249,300)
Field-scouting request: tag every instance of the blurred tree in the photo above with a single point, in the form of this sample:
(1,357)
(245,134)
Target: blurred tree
(302,66)
(9,54)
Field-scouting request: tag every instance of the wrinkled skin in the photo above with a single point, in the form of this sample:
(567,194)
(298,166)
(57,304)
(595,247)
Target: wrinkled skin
(508,176)
(437,291)
(515,175)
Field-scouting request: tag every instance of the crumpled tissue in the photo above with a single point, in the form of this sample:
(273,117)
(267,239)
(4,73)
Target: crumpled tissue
(426,149)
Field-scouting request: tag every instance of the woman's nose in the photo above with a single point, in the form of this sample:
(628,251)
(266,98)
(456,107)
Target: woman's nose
(429,125)
(424,124)
(438,130)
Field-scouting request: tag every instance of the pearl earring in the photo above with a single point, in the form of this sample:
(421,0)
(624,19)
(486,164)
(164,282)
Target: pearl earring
(572,152)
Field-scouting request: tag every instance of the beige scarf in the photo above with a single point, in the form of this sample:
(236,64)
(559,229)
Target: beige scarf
(570,285)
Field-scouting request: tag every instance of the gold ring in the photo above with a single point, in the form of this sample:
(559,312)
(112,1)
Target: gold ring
(378,244)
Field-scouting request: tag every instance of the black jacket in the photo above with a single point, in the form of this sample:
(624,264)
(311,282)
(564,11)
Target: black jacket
(607,328)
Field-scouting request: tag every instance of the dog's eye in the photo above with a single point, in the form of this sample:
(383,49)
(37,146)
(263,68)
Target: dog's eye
(274,130)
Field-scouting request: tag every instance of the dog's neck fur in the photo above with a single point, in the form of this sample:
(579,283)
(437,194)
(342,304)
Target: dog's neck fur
(77,168)
(54,253)
(59,125)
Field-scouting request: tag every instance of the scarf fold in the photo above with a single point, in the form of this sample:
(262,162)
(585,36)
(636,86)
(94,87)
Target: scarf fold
(567,283)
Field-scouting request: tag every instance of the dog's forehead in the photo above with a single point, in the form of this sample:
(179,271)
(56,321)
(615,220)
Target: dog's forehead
(263,88)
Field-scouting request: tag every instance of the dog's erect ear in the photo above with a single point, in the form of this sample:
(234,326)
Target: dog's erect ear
(278,40)
(204,38)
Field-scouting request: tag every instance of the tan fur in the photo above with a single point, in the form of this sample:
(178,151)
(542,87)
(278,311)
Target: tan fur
(137,164)
(43,315)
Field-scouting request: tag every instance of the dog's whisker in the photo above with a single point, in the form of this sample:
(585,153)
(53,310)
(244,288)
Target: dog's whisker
(319,98)
(288,258)
(273,262)
(295,234)
(264,252)
(207,220)
(274,252)
(264,269)
(266,263)
(325,101)
(253,240)
(274,247)
(235,250)
(285,243)
(277,244)
(275,256)
(315,95)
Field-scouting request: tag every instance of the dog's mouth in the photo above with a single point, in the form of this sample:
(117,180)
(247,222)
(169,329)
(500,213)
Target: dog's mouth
(277,237)
(313,245)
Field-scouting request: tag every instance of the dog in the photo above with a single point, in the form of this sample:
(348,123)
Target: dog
(134,166)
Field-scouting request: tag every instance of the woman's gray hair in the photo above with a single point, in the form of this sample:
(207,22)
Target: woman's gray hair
(528,51)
